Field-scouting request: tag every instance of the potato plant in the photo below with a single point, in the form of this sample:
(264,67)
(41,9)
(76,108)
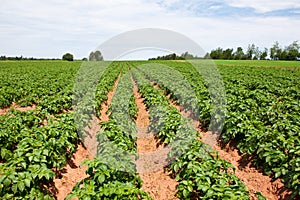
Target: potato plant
(199,171)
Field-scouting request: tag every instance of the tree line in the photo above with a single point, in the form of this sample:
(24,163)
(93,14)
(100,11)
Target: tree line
(67,57)
(173,56)
(276,52)
(25,58)
(94,56)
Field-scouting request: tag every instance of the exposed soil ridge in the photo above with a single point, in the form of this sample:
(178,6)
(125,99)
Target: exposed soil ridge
(156,181)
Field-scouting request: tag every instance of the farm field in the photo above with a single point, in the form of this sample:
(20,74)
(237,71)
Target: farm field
(141,108)
(259,63)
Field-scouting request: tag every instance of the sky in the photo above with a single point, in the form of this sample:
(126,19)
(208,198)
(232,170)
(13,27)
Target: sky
(48,29)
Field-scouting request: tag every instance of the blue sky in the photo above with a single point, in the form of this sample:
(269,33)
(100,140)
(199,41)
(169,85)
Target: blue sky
(50,28)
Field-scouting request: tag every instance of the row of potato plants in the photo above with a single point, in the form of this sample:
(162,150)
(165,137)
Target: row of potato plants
(262,116)
(36,144)
(173,84)
(112,174)
(199,170)
(210,113)
(93,82)
(32,153)
(47,84)
(264,119)
(28,168)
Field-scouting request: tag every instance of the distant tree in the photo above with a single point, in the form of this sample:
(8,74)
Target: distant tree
(92,56)
(207,56)
(280,55)
(264,54)
(68,57)
(98,56)
(292,51)
(84,59)
(95,56)
(283,55)
(239,54)
(250,51)
(257,52)
(188,56)
(227,54)
(217,53)
(274,51)
(171,56)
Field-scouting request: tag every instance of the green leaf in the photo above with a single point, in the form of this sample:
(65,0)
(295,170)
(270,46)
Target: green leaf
(185,193)
(190,188)
(21,186)
(14,188)
(27,182)
(268,158)
(277,174)
(210,193)
(30,158)
(184,182)
(46,152)
(7,182)
(24,164)
(176,167)
(101,178)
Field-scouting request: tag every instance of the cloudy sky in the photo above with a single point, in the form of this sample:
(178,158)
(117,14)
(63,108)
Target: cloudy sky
(51,28)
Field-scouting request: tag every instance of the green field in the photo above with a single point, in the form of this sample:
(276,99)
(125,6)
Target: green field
(259,63)
(262,117)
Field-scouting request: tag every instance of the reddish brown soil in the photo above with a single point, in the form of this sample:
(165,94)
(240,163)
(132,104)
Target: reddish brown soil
(90,141)
(105,105)
(15,106)
(72,173)
(252,177)
(156,181)
(159,185)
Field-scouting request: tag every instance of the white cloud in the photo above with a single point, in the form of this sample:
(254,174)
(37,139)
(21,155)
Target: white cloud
(215,7)
(265,5)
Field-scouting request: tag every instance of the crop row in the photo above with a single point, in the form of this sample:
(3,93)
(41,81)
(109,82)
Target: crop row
(262,115)
(93,82)
(263,118)
(32,153)
(112,174)
(35,145)
(47,84)
(199,170)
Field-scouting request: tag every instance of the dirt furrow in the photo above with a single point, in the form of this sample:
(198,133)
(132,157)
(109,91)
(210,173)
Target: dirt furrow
(72,173)
(90,141)
(15,106)
(253,178)
(150,165)
(105,106)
